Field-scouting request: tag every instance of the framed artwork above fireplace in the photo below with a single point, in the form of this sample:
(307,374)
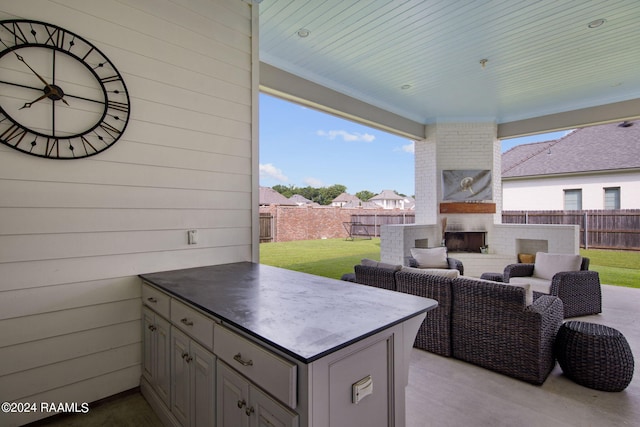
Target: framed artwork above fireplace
(466,185)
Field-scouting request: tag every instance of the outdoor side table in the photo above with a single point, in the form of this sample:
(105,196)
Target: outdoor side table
(595,356)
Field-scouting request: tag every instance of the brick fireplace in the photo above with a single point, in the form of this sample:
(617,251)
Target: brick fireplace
(465,241)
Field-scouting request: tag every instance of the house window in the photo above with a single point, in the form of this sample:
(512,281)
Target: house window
(572,200)
(612,198)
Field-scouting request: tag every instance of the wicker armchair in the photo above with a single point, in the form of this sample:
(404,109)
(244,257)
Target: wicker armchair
(434,334)
(492,327)
(579,290)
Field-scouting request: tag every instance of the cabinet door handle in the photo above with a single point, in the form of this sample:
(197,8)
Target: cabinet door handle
(238,358)
(152,328)
(242,403)
(249,411)
(152,299)
(186,357)
(187,321)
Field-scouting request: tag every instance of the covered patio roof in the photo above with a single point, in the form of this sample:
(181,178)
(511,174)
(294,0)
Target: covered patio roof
(528,66)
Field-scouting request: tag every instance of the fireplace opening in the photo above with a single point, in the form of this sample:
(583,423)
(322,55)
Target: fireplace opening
(465,241)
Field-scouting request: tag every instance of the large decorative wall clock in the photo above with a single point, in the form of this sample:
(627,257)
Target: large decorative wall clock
(60,96)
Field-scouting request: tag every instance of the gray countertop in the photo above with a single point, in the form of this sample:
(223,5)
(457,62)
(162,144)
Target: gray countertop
(305,316)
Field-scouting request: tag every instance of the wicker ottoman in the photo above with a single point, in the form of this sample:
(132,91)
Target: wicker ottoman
(595,356)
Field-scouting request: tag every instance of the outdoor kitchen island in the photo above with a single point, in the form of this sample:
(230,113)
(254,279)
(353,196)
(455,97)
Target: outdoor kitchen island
(246,344)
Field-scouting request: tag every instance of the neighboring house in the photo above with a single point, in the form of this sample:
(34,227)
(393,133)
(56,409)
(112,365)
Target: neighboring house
(595,167)
(269,196)
(360,204)
(389,199)
(301,200)
(345,198)
(409,203)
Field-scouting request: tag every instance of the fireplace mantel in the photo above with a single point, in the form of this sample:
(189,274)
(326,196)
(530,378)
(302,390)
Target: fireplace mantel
(463,207)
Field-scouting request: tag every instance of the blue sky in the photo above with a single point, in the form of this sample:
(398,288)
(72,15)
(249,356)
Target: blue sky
(302,147)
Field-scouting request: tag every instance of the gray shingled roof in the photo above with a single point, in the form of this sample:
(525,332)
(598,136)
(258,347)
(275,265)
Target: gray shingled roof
(387,195)
(346,197)
(594,148)
(297,199)
(269,196)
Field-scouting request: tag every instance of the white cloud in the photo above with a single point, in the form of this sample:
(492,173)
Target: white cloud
(313,182)
(347,136)
(409,148)
(270,171)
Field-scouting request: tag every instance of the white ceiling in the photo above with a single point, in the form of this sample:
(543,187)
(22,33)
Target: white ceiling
(542,58)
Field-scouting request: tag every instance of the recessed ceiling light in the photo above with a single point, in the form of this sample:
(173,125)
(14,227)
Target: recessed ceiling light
(303,32)
(596,23)
(405,87)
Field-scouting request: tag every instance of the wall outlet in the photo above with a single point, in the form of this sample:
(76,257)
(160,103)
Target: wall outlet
(192,237)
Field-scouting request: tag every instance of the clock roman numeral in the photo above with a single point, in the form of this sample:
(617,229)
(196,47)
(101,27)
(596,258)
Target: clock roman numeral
(56,37)
(110,79)
(52,145)
(14,131)
(85,143)
(18,35)
(113,132)
(84,58)
(118,106)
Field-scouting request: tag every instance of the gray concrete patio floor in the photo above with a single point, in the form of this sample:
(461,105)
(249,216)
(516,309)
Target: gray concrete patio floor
(447,392)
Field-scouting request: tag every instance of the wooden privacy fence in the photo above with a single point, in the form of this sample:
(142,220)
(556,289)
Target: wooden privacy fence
(370,223)
(604,229)
(266,227)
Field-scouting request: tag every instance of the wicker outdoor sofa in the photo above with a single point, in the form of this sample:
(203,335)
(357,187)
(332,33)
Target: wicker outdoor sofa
(493,325)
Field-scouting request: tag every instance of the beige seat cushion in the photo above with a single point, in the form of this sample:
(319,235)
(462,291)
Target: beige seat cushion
(547,265)
(537,284)
(430,257)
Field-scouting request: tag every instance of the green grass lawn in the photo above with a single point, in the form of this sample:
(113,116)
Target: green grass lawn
(327,257)
(620,268)
(334,257)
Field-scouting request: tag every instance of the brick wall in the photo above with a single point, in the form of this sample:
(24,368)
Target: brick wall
(311,223)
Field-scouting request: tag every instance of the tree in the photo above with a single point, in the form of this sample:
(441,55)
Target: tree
(322,196)
(286,191)
(330,193)
(365,195)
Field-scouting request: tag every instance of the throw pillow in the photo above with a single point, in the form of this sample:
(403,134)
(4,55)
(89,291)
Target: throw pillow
(430,257)
(547,265)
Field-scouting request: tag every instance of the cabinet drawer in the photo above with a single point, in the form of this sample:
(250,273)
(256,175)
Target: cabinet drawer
(274,374)
(156,300)
(195,324)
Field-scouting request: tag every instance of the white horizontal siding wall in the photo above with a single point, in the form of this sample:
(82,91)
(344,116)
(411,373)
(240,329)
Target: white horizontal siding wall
(548,193)
(74,235)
